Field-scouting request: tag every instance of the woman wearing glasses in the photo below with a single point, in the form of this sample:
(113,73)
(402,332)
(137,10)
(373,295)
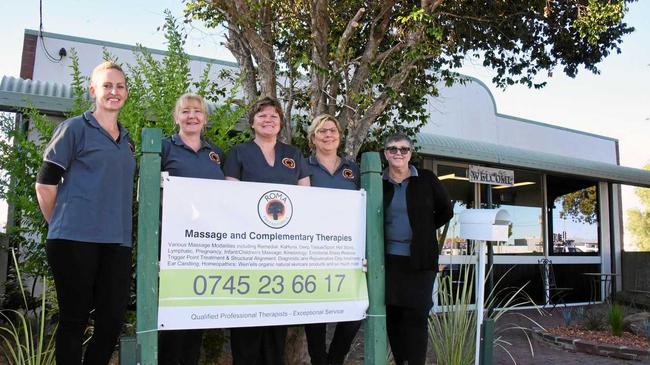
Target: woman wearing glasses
(329,170)
(415,205)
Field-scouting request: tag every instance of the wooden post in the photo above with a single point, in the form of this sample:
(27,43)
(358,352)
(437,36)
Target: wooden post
(147,248)
(375,327)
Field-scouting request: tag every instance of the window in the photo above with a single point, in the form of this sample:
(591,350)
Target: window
(524,202)
(573,216)
(454,179)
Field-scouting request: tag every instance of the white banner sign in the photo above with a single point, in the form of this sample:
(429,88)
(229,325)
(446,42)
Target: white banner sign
(488,175)
(238,254)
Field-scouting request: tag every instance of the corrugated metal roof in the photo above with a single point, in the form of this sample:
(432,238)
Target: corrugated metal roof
(46,96)
(457,148)
(18,93)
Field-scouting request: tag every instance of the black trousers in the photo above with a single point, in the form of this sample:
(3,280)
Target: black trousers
(182,347)
(258,345)
(408,334)
(89,276)
(339,347)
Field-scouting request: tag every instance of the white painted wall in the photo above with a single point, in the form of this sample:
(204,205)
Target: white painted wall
(90,55)
(469,112)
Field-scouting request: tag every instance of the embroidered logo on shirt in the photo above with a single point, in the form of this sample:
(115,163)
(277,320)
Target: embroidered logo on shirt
(214,157)
(289,162)
(275,209)
(131,147)
(348,174)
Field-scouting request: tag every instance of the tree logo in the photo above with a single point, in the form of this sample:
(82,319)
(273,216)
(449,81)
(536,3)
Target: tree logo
(275,209)
(214,157)
(348,174)
(289,162)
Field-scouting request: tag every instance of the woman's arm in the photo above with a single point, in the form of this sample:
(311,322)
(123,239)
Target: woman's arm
(305,181)
(442,201)
(46,195)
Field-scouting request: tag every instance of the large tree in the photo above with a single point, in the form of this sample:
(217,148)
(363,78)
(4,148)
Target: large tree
(638,220)
(371,63)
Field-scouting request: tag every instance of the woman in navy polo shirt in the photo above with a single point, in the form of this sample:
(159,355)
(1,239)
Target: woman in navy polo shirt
(329,170)
(85,191)
(187,154)
(264,159)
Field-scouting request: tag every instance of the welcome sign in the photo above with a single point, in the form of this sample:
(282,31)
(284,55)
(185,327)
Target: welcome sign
(238,254)
(487,175)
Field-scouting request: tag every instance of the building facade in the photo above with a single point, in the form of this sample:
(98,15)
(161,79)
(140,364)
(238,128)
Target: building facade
(564,197)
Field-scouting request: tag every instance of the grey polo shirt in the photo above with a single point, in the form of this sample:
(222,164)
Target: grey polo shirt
(246,162)
(180,160)
(397,227)
(346,175)
(94,197)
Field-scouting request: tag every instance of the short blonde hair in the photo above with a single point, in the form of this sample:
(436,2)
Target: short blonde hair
(317,123)
(186,98)
(106,65)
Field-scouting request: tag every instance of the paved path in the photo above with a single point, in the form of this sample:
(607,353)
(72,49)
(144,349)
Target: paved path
(520,349)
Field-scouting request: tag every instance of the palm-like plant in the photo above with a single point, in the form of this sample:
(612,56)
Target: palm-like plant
(453,329)
(23,340)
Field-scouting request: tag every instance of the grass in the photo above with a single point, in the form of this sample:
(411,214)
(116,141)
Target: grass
(615,317)
(24,340)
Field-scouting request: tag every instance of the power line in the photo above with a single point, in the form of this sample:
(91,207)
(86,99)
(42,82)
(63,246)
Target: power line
(49,56)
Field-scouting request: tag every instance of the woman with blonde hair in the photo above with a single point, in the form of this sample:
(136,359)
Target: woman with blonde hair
(85,192)
(329,170)
(188,154)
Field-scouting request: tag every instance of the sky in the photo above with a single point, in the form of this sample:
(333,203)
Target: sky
(615,103)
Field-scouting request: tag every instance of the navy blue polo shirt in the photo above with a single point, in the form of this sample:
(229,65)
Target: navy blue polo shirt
(246,162)
(397,227)
(94,198)
(181,160)
(346,176)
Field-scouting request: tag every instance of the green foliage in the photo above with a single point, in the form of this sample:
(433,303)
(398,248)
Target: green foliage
(638,220)
(81,101)
(452,330)
(155,85)
(615,318)
(580,205)
(21,155)
(373,64)
(25,340)
(595,18)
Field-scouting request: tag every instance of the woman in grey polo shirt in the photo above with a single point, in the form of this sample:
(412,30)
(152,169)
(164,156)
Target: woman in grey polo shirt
(415,205)
(187,154)
(84,190)
(264,159)
(329,170)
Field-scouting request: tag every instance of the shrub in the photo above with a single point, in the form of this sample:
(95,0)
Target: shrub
(593,320)
(615,317)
